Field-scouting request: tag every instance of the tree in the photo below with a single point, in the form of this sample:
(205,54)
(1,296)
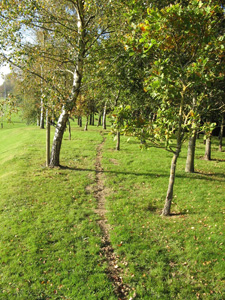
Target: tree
(74,28)
(184,46)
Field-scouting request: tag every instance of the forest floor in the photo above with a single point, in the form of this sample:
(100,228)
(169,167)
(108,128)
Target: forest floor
(93,230)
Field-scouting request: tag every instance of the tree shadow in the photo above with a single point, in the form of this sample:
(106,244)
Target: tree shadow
(210,176)
(205,176)
(218,160)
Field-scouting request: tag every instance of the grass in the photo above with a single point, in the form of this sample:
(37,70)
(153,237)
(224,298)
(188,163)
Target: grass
(50,239)
(180,257)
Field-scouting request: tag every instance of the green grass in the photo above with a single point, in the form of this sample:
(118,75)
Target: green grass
(177,257)
(50,239)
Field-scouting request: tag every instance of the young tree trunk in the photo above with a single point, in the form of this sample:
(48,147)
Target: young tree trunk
(48,132)
(90,120)
(208,148)
(79,122)
(104,118)
(77,77)
(118,141)
(86,125)
(42,115)
(191,154)
(93,119)
(221,134)
(38,120)
(57,141)
(69,129)
(169,196)
(99,120)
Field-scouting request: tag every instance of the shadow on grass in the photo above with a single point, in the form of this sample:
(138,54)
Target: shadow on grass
(209,176)
(205,176)
(218,160)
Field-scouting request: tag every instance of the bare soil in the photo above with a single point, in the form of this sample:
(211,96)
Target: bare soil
(114,271)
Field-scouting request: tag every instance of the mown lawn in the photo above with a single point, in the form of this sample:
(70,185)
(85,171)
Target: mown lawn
(177,257)
(50,239)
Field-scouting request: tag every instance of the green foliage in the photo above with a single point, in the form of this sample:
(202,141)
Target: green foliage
(184,48)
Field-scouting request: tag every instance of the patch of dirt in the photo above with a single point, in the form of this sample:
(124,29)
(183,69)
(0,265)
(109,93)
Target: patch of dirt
(114,272)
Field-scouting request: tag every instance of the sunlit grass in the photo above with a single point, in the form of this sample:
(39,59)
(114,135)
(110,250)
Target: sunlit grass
(179,257)
(50,239)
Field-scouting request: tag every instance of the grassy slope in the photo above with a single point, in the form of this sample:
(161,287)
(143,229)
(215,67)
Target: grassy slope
(50,240)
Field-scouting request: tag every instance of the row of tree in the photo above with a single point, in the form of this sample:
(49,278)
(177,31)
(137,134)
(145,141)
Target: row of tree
(158,66)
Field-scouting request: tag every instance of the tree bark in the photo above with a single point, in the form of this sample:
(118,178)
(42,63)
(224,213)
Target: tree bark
(57,141)
(69,129)
(48,132)
(86,125)
(191,154)
(207,155)
(169,196)
(38,121)
(104,118)
(93,119)
(90,120)
(42,125)
(221,134)
(99,120)
(77,77)
(118,141)
(79,121)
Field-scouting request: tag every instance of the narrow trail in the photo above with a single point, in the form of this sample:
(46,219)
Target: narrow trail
(114,272)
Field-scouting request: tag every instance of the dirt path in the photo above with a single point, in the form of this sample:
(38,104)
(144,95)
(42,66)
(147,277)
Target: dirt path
(107,251)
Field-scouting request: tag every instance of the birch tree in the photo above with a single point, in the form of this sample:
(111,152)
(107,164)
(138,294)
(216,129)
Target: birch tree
(74,29)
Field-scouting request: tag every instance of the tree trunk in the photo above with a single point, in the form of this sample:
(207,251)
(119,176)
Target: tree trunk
(208,148)
(48,132)
(221,134)
(191,154)
(69,129)
(77,77)
(169,196)
(38,120)
(104,118)
(93,119)
(118,141)
(90,120)
(86,125)
(79,121)
(42,115)
(57,141)
(99,119)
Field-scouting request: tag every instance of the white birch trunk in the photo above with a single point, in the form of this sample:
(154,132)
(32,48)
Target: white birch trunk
(104,118)
(77,77)
(48,130)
